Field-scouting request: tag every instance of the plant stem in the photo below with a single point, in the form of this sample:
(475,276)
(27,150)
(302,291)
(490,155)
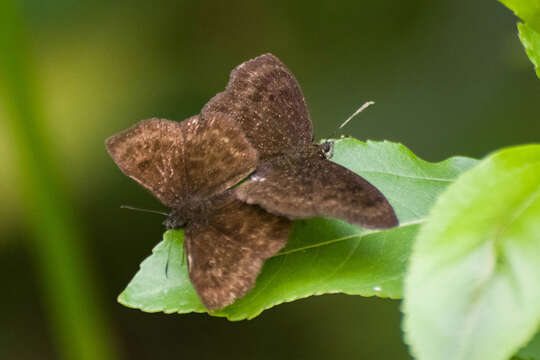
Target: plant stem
(78,324)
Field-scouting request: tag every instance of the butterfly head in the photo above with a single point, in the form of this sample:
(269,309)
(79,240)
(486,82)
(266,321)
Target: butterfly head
(174,220)
(194,209)
(327,149)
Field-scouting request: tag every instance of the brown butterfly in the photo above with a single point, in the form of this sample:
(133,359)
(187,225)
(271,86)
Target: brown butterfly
(294,177)
(260,126)
(190,167)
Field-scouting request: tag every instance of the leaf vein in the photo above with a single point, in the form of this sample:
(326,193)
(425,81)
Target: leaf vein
(348,237)
(407,176)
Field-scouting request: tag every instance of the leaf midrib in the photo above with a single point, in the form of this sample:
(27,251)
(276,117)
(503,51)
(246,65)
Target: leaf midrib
(488,277)
(406,176)
(348,237)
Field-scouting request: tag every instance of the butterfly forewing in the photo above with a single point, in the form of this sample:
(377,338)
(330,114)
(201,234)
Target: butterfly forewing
(217,154)
(176,161)
(265,99)
(226,251)
(300,188)
(151,153)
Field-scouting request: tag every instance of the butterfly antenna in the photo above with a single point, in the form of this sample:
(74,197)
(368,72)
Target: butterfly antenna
(144,210)
(360,109)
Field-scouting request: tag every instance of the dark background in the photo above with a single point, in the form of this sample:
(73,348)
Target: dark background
(448,77)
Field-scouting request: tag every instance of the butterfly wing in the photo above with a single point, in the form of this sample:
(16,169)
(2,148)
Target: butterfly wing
(217,154)
(151,153)
(303,188)
(175,160)
(226,253)
(266,100)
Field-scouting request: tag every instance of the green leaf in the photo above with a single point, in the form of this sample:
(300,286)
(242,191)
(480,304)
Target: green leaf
(529,32)
(162,283)
(532,349)
(322,255)
(531,41)
(527,10)
(472,287)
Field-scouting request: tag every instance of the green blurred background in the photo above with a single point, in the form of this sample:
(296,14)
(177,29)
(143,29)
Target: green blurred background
(448,78)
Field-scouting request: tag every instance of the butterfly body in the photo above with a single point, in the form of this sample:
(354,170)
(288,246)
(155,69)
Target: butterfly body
(189,211)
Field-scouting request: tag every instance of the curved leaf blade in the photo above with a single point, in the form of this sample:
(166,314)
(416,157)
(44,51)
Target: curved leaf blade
(527,10)
(322,255)
(410,184)
(531,41)
(532,349)
(162,283)
(472,288)
(529,31)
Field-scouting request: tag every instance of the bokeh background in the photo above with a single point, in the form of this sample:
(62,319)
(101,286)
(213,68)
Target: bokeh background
(448,77)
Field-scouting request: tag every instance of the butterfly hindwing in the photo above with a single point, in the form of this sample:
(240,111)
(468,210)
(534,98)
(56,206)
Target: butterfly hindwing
(300,187)
(226,251)
(265,99)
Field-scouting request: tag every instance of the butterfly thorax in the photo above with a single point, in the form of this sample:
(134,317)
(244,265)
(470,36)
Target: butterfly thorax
(323,151)
(194,209)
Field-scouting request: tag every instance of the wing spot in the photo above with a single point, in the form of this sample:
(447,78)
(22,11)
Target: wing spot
(258,178)
(143,165)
